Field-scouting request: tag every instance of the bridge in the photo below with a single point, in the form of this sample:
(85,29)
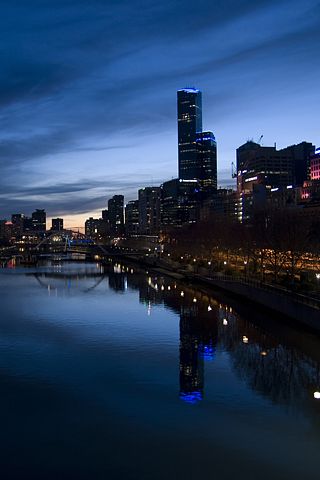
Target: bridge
(64,242)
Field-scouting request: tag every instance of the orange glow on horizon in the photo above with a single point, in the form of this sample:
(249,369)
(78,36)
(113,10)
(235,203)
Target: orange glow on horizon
(76,221)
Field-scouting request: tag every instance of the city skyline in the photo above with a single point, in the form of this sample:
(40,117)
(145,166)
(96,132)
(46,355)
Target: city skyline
(83,115)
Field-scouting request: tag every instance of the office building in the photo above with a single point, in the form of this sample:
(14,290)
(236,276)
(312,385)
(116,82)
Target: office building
(273,168)
(116,215)
(189,124)
(149,210)
(17,220)
(222,205)
(207,161)
(132,217)
(180,202)
(197,150)
(39,220)
(57,224)
(92,227)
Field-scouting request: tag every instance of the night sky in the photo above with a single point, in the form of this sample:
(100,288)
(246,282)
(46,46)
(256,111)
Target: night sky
(88,91)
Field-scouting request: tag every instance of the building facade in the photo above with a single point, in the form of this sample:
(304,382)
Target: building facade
(197,150)
(273,168)
(180,202)
(149,210)
(189,124)
(315,165)
(207,161)
(57,224)
(116,215)
(132,218)
(39,219)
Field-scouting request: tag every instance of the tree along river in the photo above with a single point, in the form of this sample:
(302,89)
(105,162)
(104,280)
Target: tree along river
(119,373)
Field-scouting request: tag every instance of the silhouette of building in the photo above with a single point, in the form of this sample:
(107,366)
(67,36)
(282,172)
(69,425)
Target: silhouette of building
(179,202)
(116,215)
(92,227)
(132,217)
(149,210)
(17,220)
(57,224)
(273,168)
(207,160)
(197,150)
(189,124)
(39,219)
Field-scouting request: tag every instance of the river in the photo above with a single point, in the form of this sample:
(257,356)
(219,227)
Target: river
(120,373)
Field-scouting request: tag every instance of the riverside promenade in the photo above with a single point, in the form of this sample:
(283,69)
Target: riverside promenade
(303,309)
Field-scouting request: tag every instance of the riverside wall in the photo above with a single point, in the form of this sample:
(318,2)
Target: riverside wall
(301,309)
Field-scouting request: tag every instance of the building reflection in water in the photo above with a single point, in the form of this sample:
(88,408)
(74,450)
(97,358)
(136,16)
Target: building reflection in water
(278,370)
(285,369)
(198,329)
(191,359)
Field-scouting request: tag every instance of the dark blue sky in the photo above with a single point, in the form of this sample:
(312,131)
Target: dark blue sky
(88,91)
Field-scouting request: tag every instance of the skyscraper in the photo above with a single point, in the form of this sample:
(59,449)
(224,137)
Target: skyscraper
(197,149)
(116,215)
(132,217)
(149,210)
(207,160)
(189,124)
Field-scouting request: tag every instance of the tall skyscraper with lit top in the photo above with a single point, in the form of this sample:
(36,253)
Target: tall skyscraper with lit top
(197,150)
(189,124)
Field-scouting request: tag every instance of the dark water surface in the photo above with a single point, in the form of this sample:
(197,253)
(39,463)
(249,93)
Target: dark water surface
(128,375)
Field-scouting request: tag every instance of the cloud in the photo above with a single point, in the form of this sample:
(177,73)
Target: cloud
(80,79)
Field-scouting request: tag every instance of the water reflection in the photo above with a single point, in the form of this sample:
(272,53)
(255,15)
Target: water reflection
(284,372)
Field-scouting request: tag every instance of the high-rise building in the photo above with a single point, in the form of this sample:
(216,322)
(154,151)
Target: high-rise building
(189,124)
(116,215)
(179,202)
(92,227)
(132,217)
(207,160)
(149,210)
(17,220)
(273,168)
(197,149)
(39,220)
(57,224)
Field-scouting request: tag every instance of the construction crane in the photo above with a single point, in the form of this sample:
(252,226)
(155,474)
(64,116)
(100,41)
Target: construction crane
(233,170)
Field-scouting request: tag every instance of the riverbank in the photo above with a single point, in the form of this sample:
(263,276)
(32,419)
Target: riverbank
(301,309)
